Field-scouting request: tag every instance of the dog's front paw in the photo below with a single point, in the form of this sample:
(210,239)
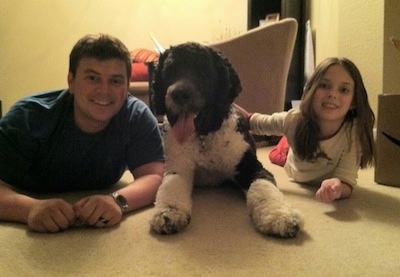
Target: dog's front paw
(280,221)
(270,213)
(169,220)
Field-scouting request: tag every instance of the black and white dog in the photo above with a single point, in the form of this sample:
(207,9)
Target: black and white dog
(207,142)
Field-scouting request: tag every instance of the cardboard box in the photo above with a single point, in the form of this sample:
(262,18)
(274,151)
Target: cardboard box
(387,167)
(396,42)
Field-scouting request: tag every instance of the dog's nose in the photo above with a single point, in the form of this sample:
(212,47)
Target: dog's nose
(181,96)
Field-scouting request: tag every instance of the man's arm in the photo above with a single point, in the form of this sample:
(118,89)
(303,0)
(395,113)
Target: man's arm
(14,206)
(103,211)
(142,191)
(51,215)
(54,215)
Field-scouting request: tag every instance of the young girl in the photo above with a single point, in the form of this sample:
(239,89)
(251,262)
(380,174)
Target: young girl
(329,137)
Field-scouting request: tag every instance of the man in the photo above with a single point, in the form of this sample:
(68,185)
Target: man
(80,138)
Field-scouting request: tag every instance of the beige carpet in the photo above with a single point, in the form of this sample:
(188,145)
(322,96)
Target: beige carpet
(355,237)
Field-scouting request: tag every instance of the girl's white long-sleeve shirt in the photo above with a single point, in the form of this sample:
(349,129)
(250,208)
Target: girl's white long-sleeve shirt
(338,156)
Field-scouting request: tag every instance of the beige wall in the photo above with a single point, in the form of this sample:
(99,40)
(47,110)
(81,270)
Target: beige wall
(360,31)
(391,56)
(324,23)
(37,36)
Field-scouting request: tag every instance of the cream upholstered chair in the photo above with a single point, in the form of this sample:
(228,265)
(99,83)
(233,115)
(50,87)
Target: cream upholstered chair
(262,58)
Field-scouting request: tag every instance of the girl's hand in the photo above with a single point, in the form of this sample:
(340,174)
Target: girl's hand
(245,113)
(330,190)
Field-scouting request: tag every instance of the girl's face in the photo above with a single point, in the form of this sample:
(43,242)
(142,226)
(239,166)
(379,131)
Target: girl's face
(334,96)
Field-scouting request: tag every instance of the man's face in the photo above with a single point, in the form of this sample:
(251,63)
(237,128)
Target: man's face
(100,88)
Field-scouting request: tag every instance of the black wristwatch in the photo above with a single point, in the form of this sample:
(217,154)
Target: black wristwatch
(121,201)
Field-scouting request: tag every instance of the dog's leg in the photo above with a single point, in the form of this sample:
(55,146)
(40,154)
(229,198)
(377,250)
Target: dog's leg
(173,204)
(270,214)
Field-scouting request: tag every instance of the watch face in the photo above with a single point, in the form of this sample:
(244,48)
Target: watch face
(121,201)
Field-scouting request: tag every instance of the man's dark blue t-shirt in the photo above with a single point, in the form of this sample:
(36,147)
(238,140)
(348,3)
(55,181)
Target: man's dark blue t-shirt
(42,149)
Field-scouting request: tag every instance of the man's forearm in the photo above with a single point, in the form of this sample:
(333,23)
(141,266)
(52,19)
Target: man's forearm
(14,206)
(141,192)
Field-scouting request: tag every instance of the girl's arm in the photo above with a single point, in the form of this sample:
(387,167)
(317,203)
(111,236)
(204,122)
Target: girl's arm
(345,174)
(265,124)
(275,124)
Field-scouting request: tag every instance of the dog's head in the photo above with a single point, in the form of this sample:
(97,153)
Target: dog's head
(194,85)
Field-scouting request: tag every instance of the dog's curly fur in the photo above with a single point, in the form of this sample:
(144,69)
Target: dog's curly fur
(198,83)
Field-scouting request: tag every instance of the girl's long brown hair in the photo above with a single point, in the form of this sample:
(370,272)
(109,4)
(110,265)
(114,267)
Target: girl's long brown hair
(307,131)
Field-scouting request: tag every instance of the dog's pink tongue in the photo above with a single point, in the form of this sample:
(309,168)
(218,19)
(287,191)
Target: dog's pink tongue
(184,127)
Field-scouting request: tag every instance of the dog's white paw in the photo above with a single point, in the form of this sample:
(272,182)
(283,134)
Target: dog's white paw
(280,221)
(270,213)
(169,220)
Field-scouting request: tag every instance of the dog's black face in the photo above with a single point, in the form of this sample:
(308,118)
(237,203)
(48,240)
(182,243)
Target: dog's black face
(194,86)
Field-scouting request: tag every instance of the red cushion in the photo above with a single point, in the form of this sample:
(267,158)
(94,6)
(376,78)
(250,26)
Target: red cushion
(139,72)
(141,55)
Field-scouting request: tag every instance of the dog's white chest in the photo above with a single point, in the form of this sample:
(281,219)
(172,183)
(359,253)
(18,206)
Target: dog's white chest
(212,158)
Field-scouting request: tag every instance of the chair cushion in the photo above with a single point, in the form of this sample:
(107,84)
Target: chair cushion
(140,58)
(141,55)
(139,72)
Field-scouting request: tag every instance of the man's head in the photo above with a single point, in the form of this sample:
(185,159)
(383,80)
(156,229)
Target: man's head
(101,47)
(98,78)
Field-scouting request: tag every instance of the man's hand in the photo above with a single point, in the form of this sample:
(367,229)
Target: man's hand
(51,216)
(98,211)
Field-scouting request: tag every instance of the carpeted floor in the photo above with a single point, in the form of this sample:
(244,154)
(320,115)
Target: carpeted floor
(355,237)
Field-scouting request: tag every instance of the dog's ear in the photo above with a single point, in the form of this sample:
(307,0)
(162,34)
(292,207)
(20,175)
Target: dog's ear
(158,92)
(228,79)
(227,89)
